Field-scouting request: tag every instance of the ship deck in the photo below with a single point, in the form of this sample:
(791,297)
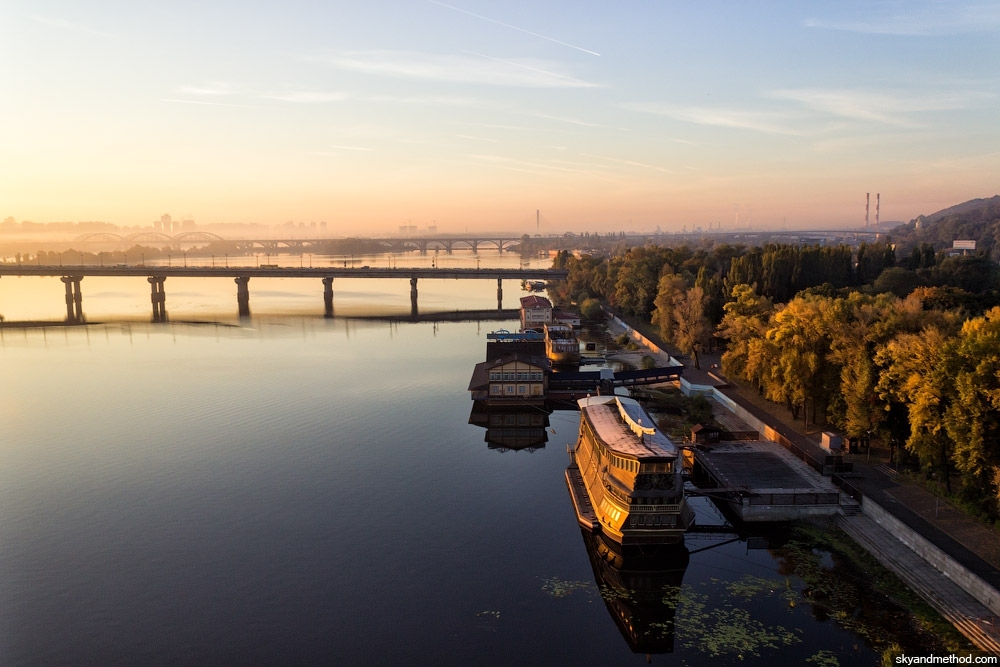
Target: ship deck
(609,427)
(585,513)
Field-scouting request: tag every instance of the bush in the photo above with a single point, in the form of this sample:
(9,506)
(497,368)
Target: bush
(591,309)
(700,410)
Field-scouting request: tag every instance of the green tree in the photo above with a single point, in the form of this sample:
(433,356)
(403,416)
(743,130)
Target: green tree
(802,374)
(668,292)
(744,327)
(693,328)
(915,371)
(972,420)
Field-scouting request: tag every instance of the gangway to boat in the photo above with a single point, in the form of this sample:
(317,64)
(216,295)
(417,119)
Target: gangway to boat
(592,380)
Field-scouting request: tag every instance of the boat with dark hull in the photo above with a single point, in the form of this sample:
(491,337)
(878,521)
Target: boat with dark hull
(625,475)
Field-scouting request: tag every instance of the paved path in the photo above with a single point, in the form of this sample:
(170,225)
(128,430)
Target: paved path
(968,615)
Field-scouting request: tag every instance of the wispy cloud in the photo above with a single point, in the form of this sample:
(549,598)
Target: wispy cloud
(629,163)
(474,138)
(542,168)
(881,107)
(334,150)
(514,27)
(759,121)
(307,96)
(201,102)
(63,24)
(209,89)
(569,120)
(916,19)
(465,68)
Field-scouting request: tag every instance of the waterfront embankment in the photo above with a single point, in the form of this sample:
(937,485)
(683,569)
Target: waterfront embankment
(949,559)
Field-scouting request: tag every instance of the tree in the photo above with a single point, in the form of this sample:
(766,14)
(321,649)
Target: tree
(667,294)
(693,328)
(915,372)
(972,420)
(897,280)
(857,324)
(744,326)
(802,373)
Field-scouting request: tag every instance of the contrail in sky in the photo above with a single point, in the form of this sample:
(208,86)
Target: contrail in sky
(514,27)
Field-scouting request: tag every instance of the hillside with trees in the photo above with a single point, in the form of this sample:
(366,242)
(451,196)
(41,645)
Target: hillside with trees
(976,220)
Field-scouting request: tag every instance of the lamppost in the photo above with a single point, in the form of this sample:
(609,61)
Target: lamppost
(213,261)
(185,260)
(168,260)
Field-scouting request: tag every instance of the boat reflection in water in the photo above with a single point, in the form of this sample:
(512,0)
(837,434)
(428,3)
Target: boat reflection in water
(640,587)
(512,427)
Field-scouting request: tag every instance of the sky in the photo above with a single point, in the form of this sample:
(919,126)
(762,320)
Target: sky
(471,116)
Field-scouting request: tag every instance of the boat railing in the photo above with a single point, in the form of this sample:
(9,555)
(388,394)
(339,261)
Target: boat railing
(658,509)
(636,427)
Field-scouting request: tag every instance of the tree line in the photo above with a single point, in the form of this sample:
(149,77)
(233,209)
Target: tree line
(902,352)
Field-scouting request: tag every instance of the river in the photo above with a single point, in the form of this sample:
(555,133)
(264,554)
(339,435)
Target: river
(293,490)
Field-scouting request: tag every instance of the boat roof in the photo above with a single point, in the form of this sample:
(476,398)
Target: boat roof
(624,426)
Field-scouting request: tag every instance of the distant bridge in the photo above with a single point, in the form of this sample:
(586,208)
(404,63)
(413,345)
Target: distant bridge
(388,244)
(148,237)
(157,276)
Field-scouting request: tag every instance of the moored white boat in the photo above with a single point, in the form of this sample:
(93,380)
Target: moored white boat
(625,475)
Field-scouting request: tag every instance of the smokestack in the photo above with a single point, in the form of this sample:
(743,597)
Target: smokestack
(538,216)
(868,197)
(877,196)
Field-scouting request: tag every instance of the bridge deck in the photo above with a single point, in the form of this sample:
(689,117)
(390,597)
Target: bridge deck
(281,272)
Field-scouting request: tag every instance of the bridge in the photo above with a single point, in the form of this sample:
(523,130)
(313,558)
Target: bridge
(297,245)
(71,276)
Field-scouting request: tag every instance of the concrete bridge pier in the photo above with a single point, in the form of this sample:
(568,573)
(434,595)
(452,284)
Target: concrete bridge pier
(499,293)
(328,296)
(158,297)
(413,296)
(243,295)
(74,298)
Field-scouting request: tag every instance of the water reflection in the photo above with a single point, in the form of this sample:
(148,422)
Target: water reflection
(512,427)
(640,587)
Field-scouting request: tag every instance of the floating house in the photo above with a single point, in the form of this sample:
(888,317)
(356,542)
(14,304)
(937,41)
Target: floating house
(515,377)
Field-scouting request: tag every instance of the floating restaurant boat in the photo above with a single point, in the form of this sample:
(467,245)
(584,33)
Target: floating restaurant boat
(625,475)
(561,344)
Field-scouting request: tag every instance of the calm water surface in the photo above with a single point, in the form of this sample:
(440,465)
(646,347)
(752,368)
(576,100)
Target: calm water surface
(289,490)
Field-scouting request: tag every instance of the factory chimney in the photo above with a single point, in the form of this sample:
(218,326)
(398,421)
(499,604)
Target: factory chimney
(868,197)
(877,196)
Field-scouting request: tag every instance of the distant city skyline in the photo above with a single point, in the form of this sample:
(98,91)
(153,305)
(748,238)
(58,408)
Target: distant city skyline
(473,115)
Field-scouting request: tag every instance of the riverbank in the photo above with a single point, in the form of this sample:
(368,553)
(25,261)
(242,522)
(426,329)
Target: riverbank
(947,558)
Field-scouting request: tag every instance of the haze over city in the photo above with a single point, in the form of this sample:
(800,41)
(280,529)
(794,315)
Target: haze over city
(470,116)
